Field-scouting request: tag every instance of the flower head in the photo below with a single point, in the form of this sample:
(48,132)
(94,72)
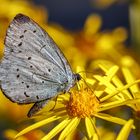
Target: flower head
(83,104)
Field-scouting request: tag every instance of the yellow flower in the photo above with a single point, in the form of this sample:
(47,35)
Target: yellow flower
(130,94)
(106,134)
(9,134)
(124,133)
(95,44)
(78,111)
(84,105)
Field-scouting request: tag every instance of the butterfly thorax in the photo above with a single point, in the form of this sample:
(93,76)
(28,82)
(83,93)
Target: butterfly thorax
(71,82)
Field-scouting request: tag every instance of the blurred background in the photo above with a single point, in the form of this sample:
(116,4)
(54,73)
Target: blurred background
(72,14)
(94,29)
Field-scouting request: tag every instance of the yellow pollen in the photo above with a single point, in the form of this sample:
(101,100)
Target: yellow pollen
(82,103)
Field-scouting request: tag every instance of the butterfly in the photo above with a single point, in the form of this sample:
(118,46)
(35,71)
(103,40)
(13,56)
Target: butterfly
(33,69)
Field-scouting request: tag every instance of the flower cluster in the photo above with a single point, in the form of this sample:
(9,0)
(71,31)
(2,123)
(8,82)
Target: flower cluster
(84,106)
(101,101)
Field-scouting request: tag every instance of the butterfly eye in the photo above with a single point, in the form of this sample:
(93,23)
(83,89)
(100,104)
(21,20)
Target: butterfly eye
(77,76)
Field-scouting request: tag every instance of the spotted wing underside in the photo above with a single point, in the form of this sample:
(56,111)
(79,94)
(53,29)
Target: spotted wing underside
(33,67)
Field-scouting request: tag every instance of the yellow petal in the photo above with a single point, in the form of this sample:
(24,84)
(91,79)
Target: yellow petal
(36,125)
(89,29)
(70,128)
(111,118)
(90,81)
(56,130)
(110,88)
(129,79)
(89,127)
(125,131)
(95,137)
(112,71)
(110,105)
(81,70)
(119,90)
(118,83)
(104,81)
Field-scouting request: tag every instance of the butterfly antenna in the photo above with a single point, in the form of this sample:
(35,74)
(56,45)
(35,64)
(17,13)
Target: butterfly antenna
(85,72)
(87,85)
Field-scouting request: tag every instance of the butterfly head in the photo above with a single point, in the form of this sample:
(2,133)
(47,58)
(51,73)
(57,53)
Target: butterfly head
(77,77)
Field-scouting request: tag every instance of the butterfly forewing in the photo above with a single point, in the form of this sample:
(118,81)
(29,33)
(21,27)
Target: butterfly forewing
(33,68)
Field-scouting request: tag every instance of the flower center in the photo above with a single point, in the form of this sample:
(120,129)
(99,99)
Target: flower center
(82,103)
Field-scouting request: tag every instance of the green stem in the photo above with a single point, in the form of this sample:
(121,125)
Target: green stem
(136,117)
(134,13)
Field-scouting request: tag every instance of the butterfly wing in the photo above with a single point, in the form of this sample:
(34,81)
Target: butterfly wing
(33,68)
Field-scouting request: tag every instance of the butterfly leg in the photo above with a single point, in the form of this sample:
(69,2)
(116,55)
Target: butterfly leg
(37,107)
(55,103)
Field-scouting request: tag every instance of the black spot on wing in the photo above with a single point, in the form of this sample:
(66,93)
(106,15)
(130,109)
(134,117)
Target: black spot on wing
(25,31)
(29,58)
(21,36)
(26,94)
(12,50)
(20,44)
(37,97)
